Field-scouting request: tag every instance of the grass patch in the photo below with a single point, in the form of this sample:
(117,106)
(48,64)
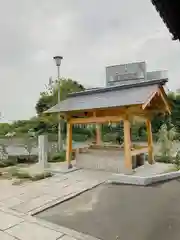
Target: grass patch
(8,162)
(58,157)
(172,169)
(40,176)
(14,172)
(164,159)
(27,159)
(21,174)
(16,160)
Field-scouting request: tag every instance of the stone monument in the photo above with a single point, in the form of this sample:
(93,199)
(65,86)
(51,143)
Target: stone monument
(3,153)
(43,151)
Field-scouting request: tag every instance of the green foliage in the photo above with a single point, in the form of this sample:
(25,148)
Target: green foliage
(24,174)
(82,130)
(177,161)
(21,174)
(166,140)
(29,144)
(109,137)
(164,159)
(9,162)
(44,103)
(79,137)
(5,128)
(58,157)
(27,159)
(40,176)
(50,96)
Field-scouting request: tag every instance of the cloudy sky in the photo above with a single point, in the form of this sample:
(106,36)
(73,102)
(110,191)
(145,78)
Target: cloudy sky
(89,35)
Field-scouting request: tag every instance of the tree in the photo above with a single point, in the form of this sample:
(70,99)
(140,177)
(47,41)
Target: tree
(5,128)
(49,97)
(29,144)
(44,103)
(166,140)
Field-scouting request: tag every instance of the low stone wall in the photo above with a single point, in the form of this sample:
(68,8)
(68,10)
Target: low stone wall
(101,159)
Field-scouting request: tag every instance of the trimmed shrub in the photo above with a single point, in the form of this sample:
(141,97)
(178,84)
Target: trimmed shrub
(40,176)
(109,137)
(164,159)
(79,137)
(2,164)
(27,159)
(9,162)
(82,131)
(21,174)
(58,157)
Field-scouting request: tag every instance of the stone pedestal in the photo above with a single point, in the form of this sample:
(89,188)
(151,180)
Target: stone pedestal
(43,151)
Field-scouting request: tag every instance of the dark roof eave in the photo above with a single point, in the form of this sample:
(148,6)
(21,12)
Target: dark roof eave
(167,21)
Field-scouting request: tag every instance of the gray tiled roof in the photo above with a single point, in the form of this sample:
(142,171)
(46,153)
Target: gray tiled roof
(108,97)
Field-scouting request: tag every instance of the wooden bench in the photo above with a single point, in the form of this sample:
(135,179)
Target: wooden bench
(138,156)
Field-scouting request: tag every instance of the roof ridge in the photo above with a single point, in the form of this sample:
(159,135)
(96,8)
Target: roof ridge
(119,87)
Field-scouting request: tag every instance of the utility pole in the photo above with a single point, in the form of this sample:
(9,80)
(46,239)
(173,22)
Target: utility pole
(58,64)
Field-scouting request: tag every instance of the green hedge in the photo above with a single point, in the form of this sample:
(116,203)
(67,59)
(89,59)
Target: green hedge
(109,137)
(82,131)
(164,159)
(27,159)
(9,162)
(79,137)
(14,160)
(58,157)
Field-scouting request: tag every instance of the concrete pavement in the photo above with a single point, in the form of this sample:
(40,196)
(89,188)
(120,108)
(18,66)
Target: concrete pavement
(19,202)
(13,227)
(129,212)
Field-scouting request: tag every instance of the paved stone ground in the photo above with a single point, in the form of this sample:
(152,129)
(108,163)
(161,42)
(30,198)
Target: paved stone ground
(149,170)
(17,203)
(31,197)
(129,212)
(16,227)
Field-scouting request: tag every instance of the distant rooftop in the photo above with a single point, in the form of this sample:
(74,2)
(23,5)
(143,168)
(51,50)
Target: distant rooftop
(131,73)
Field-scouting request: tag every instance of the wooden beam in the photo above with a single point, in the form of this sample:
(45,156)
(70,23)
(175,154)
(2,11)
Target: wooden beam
(69,145)
(150,142)
(112,114)
(139,151)
(164,100)
(95,120)
(149,99)
(127,144)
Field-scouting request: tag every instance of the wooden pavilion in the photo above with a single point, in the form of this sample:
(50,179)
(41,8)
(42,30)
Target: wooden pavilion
(114,104)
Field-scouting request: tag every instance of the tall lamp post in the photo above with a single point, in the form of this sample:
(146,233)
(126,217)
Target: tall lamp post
(58,64)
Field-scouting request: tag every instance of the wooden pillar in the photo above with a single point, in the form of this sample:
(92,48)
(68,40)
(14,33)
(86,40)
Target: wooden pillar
(127,144)
(98,134)
(150,142)
(69,145)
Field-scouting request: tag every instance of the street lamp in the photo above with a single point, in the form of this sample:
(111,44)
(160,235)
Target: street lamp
(58,64)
